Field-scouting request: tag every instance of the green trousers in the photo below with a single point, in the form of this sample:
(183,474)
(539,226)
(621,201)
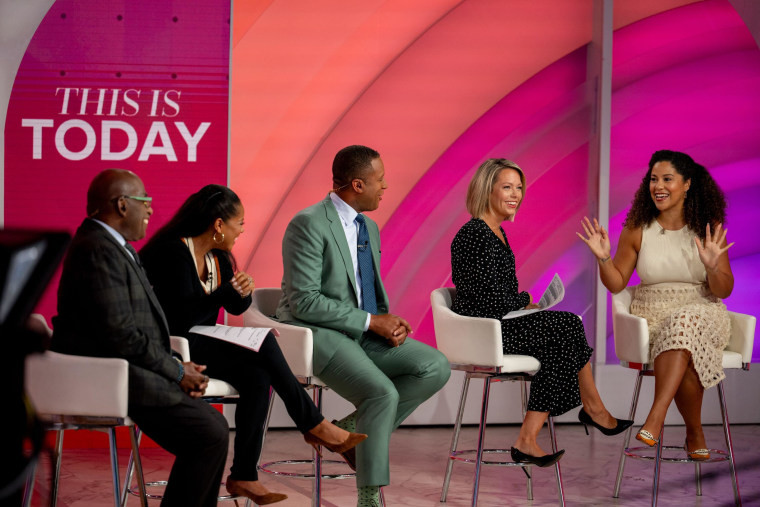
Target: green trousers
(385,384)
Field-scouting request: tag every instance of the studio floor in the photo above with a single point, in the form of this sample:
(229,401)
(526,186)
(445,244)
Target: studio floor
(418,462)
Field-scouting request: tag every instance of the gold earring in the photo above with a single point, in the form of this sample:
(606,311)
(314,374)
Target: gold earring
(218,241)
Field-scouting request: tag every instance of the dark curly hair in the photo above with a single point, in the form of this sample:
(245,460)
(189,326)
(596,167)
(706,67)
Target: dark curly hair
(195,216)
(705,202)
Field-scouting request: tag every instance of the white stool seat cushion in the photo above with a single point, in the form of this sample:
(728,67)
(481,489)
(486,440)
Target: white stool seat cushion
(62,384)
(732,359)
(514,363)
(472,340)
(216,388)
(632,334)
(296,343)
(219,388)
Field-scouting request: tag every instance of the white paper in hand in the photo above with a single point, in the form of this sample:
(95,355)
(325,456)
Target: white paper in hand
(553,294)
(248,337)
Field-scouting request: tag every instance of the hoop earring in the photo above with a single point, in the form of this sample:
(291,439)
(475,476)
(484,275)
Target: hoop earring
(218,241)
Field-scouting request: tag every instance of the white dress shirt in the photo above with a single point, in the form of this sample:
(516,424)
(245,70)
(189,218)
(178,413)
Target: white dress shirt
(347,216)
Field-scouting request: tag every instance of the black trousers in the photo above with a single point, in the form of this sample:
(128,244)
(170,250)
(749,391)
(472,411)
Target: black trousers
(198,436)
(252,374)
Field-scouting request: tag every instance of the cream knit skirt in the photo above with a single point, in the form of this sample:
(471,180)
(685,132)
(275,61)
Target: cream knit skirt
(685,316)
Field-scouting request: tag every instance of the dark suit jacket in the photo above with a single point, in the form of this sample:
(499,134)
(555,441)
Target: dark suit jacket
(106,308)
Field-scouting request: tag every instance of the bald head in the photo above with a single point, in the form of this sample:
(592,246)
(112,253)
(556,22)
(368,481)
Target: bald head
(107,186)
(108,200)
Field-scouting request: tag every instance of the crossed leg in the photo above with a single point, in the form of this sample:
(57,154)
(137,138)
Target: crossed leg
(689,402)
(592,404)
(670,368)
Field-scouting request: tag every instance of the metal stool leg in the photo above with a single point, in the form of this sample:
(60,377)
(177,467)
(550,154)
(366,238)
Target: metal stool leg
(524,397)
(481,438)
(455,438)
(627,438)
(266,424)
(131,468)
(316,496)
(134,438)
(114,466)
(56,468)
(657,463)
(29,486)
(729,443)
(558,472)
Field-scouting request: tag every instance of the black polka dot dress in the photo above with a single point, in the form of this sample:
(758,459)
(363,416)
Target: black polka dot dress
(483,271)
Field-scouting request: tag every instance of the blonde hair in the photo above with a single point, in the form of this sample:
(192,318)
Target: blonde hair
(481,184)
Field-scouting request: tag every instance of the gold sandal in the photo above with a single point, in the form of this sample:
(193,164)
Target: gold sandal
(646,437)
(697,454)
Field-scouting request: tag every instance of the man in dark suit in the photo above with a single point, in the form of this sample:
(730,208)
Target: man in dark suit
(331,284)
(106,308)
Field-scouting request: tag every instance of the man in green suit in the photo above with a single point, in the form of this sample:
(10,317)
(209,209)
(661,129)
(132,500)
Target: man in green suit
(331,284)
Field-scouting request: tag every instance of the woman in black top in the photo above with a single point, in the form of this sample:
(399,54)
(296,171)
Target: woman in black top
(190,265)
(483,271)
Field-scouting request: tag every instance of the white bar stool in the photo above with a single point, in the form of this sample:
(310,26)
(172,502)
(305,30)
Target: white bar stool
(632,348)
(473,345)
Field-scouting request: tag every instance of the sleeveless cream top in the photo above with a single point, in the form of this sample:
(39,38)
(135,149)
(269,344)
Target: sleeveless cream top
(669,256)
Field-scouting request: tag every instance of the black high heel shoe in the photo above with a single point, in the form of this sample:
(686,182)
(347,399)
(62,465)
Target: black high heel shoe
(540,461)
(621,426)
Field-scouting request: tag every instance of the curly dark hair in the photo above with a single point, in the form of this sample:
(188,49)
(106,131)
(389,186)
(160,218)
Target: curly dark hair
(705,202)
(195,216)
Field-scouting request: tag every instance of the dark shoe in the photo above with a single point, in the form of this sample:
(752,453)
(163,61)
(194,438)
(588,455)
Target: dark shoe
(235,490)
(621,426)
(541,461)
(345,449)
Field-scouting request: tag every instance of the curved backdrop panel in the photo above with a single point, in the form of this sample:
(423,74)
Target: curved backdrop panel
(450,87)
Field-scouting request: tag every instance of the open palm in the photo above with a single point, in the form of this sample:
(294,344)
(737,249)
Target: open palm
(596,238)
(710,251)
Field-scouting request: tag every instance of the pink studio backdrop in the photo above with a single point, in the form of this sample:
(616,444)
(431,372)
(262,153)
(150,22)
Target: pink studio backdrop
(438,86)
(132,84)
(435,85)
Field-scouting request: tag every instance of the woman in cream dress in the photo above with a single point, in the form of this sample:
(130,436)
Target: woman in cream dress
(673,237)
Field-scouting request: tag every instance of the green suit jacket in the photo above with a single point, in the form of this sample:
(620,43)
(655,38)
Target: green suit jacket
(318,283)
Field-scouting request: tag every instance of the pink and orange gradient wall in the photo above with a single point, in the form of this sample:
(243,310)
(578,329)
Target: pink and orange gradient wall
(437,86)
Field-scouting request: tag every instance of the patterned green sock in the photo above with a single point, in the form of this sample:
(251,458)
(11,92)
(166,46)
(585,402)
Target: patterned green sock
(368,496)
(348,423)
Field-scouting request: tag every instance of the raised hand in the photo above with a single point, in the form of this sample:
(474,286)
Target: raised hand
(242,283)
(710,251)
(596,238)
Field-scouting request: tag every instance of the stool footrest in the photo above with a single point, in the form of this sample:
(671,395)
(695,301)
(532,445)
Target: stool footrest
(285,462)
(456,455)
(133,490)
(716,455)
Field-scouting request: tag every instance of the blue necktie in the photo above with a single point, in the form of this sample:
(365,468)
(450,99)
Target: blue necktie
(366,269)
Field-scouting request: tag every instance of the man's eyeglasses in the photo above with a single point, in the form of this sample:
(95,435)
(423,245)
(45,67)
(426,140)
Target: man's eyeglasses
(143,199)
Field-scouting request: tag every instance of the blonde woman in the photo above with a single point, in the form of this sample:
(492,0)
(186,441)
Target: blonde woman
(483,271)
